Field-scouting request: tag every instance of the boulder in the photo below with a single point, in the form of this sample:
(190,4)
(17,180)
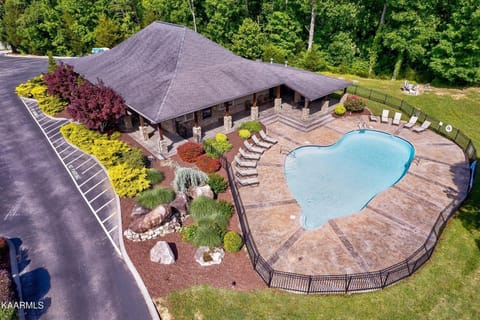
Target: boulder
(152,219)
(138,210)
(180,203)
(201,191)
(207,257)
(162,253)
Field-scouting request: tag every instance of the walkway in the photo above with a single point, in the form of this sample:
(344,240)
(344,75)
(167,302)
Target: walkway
(392,226)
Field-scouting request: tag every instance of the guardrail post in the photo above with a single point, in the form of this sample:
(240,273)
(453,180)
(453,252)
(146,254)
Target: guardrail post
(309,283)
(384,283)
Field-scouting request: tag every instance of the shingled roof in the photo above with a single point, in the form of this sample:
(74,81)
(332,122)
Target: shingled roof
(165,71)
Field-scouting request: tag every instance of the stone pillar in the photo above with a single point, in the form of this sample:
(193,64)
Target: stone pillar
(277,105)
(306,110)
(162,146)
(325,104)
(227,123)
(127,121)
(254,113)
(197,134)
(297,97)
(143,129)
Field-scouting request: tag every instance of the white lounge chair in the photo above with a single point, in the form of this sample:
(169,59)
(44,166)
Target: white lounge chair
(423,127)
(252,148)
(247,181)
(245,172)
(411,122)
(248,156)
(261,144)
(266,138)
(396,118)
(245,164)
(385,117)
(373,118)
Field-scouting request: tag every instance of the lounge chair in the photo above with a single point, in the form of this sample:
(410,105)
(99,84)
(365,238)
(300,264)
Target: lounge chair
(245,164)
(245,172)
(248,156)
(252,148)
(396,118)
(266,138)
(261,144)
(373,118)
(423,127)
(411,122)
(247,181)
(385,117)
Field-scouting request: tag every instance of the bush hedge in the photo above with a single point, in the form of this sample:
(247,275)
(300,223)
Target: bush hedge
(221,137)
(226,208)
(154,176)
(189,151)
(232,241)
(217,183)
(216,148)
(244,134)
(252,126)
(127,181)
(154,197)
(207,164)
(340,110)
(354,103)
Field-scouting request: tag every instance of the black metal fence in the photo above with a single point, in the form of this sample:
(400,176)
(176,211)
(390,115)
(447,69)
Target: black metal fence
(358,282)
(444,129)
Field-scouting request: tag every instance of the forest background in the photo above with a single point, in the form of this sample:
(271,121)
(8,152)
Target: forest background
(434,41)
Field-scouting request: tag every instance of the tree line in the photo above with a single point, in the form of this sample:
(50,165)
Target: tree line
(429,40)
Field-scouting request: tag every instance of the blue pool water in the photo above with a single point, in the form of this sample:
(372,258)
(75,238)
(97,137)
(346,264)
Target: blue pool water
(341,179)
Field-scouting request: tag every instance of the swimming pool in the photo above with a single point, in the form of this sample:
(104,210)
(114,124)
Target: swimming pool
(341,179)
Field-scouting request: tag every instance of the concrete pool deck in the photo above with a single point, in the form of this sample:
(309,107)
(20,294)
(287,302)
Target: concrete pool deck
(388,230)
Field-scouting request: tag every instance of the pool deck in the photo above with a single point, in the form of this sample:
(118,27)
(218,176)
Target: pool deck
(388,230)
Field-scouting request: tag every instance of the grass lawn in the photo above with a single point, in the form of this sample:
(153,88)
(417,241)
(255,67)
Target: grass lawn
(446,287)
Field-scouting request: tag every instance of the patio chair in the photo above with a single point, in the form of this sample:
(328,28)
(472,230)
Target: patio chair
(266,138)
(411,122)
(423,127)
(245,172)
(373,118)
(261,144)
(253,148)
(396,118)
(248,156)
(245,164)
(247,181)
(385,117)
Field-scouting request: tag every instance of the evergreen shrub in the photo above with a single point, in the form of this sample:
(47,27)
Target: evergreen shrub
(354,103)
(216,148)
(217,183)
(252,126)
(244,134)
(232,241)
(340,110)
(154,176)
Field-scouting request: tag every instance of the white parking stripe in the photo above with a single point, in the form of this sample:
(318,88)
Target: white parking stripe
(51,137)
(93,165)
(65,149)
(75,150)
(81,155)
(52,130)
(113,229)
(90,178)
(107,218)
(106,204)
(86,161)
(98,195)
(61,144)
(46,127)
(98,183)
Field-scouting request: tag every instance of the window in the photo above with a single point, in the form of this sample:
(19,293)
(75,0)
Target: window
(207,113)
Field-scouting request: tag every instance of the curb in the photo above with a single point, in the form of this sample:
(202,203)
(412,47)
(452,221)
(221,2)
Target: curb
(16,276)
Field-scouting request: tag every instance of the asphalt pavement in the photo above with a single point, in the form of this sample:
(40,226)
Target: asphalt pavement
(68,264)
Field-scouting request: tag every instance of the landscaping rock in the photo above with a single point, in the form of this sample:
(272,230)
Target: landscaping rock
(162,253)
(152,219)
(180,203)
(138,210)
(201,191)
(207,257)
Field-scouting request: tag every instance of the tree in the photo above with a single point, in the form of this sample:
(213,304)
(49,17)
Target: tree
(283,32)
(107,32)
(249,40)
(224,18)
(341,49)
(96,107)
(13,11)
(63,82)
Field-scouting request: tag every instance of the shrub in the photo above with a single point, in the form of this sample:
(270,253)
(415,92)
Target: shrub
(244,134)
(186,178)
(155,197)
(189,151)
(109,152)
(221,137)
(252,126)
(63,82)
(39,91)
(154,176)
(3,246)
(354,103)
(207,236)
(340,110)
(202,207)
(51,105)
(232,241)
(127,181)
(217,183)
(7,294)
(215,149)
(134,158)
(188,233)
(226,208)
(207,164)
(25,89)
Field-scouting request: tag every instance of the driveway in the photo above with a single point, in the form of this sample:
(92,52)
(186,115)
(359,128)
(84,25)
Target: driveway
(68,263)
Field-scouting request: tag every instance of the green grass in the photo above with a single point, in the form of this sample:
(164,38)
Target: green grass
(446,287)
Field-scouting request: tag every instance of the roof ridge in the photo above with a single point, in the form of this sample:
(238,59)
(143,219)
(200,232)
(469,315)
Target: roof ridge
(179,55)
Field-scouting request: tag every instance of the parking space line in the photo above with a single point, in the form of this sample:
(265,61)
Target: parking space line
(107,218)
(70,154)
(98,195)
(98,183)
(49,121)
(65,149)
(86,161)
(53,135)
(113,229)
(93,165)
(106,204)
(45,128)
(61,144)
(81,155)
(90,178)
(52,130)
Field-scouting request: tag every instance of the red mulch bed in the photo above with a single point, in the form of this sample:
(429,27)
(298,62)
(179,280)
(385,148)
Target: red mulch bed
(235,271)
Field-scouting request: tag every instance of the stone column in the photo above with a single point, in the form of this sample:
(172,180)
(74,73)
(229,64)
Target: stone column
(127,121)
(143,129)
(254,109)
(278,101)
(162,142)
(297,97)
(227,118)
(306,110)
(197,134)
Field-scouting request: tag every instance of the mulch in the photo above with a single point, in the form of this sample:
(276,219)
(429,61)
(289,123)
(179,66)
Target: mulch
(235,272)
